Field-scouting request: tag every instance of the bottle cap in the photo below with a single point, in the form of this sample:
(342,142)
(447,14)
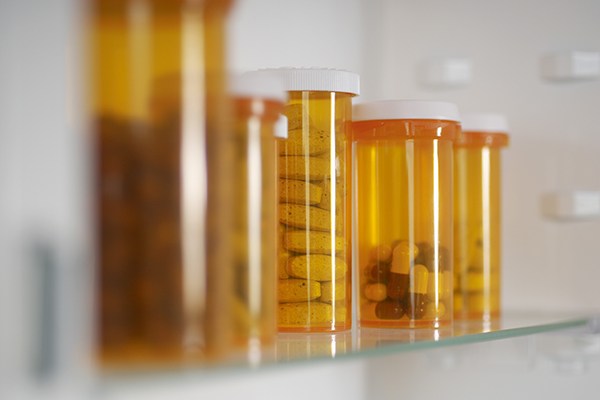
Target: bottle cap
(314,79)
(405,109)
(484,122)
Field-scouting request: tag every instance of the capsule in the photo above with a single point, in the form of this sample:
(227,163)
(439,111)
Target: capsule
(417,292)
(376,291)
(381,253)
(390,309)
(398,279)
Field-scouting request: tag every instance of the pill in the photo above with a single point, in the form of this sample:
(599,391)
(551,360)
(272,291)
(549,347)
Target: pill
(457,303)
(303,168)
(300,192)
(313,312)
(402,256)
(292,290)
(435,259)
(333,291)
(389,309)
(479,302)
(282,263)
(302,141)
(444,285)
(434,312)
(313,242)
(381,253)
(397,286)
(378,272)
(296,113)
(317,267)
(475,281)
(416,299)
(341,314)
(326,195)
(376,291)
(305,217)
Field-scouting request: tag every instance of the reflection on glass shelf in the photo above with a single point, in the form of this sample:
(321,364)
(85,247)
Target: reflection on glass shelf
(369,341)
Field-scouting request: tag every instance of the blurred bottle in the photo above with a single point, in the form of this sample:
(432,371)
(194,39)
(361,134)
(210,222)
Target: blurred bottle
(160,118)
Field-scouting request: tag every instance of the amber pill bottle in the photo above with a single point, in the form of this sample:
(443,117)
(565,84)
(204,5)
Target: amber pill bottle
(477,216)
(160,119)
(402,152)
(313,166)
(258,102)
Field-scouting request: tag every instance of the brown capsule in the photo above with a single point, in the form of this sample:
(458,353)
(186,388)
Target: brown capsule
(397,285)
(389,309)
(379,272)
(434,261)
(416,305)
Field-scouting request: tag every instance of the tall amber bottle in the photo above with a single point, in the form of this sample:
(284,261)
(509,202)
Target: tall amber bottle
(159,115)
(477,231)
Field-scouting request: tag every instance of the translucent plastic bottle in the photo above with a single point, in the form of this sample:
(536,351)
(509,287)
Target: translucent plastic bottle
(477,216)
(403,189)
(314,167)
(258,103)
(163,180)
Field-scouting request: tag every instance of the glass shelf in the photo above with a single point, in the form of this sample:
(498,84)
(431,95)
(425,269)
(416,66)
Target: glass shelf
(295,348)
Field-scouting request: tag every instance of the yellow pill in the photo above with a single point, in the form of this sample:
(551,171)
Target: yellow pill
(458,303)
(313,242)
(376,291)
(477,302)
(340,314)
(402,256)
(303,168)
(314,312)
(381,253)
(331,292)
(444,285)
(317,267)
(297,116)
(293,290)
(305,142)
(418,279)
(281,266)
(433,312)
(300,192)
(305,217)
(327,194)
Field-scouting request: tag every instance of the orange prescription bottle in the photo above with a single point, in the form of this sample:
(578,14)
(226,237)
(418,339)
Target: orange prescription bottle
(163,184)
(313,164)
(402,152)
(477,216)
(258,103)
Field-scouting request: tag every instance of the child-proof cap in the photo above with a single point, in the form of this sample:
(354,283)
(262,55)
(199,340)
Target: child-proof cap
(484,122)
(314,79)
(405,109)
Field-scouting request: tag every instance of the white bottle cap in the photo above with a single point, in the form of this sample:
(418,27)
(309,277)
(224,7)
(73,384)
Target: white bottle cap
(314,79)
(484,122)
(264,87)
(405,109)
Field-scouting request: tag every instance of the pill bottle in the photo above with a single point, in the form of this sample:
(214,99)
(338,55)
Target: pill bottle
(258,102)
(477,230)
(160,115)
(313,164)
(402,153)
